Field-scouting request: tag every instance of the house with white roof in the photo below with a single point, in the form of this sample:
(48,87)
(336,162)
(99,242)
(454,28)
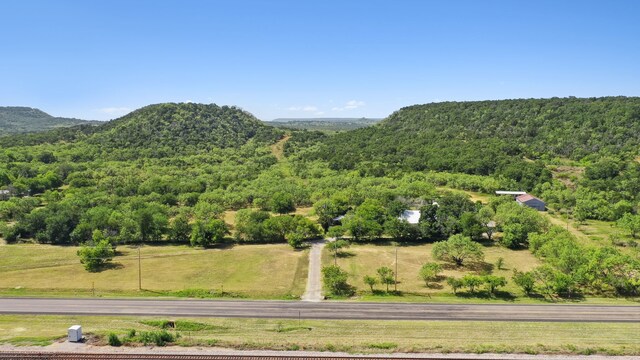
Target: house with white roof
(410,216)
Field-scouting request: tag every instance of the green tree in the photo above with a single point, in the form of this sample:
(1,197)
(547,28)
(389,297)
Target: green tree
(429,272)
(485,217)
(335,280)
(96,255)
(494,282)
(180,229)
(326,210)
(386,276)
(631,223)
(401,230)
(458,249)
(336,246)
(525,280)
(361,228)
(471,226)
(335,232)
(371,281)
(517,223)
(282,203)
(454,283)
(249,226)
(206,233)
(472,282)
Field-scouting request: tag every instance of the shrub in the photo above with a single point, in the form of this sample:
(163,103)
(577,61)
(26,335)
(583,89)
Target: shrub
(160,338)
(114,340)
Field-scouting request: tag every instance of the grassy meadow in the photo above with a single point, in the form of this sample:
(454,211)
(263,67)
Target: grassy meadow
(258,271)
(363,259)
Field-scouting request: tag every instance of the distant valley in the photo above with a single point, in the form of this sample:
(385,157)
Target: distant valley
(323,124)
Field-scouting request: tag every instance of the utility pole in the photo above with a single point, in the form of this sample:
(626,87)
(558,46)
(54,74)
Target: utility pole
(139,270)
(395,283)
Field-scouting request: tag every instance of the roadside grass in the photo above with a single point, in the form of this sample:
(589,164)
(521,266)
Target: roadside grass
(353,336)
(257,271)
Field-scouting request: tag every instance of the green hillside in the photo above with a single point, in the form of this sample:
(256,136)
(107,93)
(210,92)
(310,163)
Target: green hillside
(18,119)
(164,129)
(489,137)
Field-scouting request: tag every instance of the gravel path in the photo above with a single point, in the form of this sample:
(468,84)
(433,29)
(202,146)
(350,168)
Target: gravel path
(314,280)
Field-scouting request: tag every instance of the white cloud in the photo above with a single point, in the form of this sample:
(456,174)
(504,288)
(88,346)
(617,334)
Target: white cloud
(354,104)
(115,110)
(307,108)
(350,105)
(319,113)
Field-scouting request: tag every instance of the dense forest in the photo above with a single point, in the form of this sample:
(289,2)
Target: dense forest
(170,172)
(18,119)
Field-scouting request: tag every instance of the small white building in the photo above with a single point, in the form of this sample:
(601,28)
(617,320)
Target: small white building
(410,216)
(531,201)
(5,194)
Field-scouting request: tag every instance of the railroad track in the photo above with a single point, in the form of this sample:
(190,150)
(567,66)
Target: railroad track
(19,355)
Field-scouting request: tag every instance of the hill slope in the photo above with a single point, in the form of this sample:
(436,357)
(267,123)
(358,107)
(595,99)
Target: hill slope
(171,128)
(18,119)
(489,136)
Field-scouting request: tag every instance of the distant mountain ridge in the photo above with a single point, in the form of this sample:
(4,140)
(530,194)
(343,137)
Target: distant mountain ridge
(323,124)
(22,119)
(362,119)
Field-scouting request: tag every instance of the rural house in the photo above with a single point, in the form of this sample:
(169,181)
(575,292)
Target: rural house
(531,201)
(410,216)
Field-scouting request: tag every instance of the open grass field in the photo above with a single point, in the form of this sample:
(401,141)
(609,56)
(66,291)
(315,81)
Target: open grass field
(360,260)
(474,196)
(350,336)
(592,232)
(259,271)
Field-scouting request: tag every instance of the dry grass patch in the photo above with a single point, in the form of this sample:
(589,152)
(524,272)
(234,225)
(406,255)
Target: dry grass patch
(269,271)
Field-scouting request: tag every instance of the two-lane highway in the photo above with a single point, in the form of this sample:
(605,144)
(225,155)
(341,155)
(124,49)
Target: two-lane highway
(321,310)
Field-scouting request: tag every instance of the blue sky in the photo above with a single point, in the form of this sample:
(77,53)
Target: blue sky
(101,59)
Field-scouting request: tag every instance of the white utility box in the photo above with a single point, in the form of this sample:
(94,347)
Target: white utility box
(75,333)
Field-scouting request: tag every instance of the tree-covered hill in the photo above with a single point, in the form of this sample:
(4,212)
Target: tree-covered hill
(169,128)
(488,137)
(19,119)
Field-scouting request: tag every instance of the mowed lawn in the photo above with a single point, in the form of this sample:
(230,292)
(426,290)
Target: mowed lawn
(351,336)
(361,260)
(261,271)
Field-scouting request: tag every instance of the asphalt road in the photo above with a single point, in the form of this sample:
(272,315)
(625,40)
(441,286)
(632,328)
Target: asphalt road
(321,310)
